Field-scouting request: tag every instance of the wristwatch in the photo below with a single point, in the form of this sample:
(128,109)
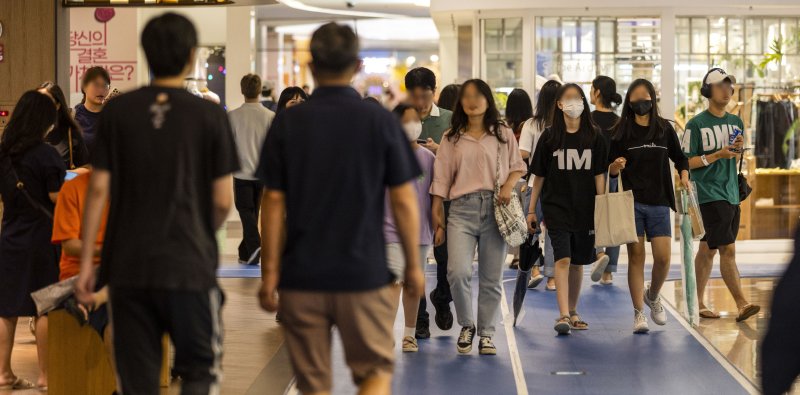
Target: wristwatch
(705,161)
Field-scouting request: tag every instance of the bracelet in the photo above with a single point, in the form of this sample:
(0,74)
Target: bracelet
(705,161)
(531,213)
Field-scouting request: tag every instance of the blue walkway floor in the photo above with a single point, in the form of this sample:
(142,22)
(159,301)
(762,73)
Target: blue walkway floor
(607,359)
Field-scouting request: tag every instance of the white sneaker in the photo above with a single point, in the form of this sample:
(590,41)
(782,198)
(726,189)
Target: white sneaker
(598,267)
(410,344)
(639,322)
(656,309)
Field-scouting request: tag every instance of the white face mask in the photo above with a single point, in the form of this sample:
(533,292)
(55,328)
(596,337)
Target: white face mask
(413,129)
(573,108)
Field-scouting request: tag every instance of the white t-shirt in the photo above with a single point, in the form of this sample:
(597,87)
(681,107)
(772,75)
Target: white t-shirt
(531,132)
(250,124)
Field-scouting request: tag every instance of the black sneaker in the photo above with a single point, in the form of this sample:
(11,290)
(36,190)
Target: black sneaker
(423,329)
(486,347)
(464,345)
(444,317)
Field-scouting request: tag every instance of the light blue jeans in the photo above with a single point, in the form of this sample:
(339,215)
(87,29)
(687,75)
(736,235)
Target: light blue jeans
(472,223)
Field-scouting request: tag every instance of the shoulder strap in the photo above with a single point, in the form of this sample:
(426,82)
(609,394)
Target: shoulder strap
(21,187)
(741,162)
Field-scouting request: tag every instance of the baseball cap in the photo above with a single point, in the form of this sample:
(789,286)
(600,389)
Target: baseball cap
(715,76)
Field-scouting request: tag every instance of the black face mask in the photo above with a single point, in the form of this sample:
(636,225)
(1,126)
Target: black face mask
(642,107)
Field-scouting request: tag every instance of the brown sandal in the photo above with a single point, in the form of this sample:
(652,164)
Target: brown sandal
(577,324)
(706,313)
(748,311)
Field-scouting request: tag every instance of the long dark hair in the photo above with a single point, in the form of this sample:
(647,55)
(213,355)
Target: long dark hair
(65,121)
(33,115)
(518,109)
(289,94)
(624,128)
(558,128)
(448,97)
(546,102)
(491,119)
(608,91)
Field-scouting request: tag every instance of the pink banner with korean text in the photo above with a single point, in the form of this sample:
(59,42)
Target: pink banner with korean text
(105,37)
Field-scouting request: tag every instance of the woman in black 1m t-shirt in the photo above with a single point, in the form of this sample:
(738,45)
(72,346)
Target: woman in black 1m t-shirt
(569,162)
(643,144)
(604,97)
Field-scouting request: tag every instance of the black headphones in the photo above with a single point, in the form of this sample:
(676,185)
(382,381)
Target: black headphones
(705,89)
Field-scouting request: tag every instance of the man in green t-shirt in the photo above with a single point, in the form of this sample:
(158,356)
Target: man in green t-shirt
(712,160)
(421,87)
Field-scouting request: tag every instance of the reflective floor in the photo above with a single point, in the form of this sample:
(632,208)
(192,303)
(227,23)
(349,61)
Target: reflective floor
(740,342)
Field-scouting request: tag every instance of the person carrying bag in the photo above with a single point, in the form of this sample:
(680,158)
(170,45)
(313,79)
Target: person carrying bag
(619,206)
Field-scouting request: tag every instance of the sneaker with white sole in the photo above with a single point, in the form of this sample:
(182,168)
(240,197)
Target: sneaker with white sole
(640,322)
(599,267)
(410,344)
(465,339)
(486,347)
(657,312)
(535,281)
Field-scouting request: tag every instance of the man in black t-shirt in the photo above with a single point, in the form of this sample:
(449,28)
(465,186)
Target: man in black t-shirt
(326,165)
(165,158)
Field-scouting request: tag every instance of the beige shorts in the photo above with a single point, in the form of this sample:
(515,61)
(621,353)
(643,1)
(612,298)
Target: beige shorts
(396,260)
(364,321)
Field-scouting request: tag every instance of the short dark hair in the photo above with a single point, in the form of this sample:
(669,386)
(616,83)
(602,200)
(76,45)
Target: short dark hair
(168,41)
(448,96)
(251,86)
(334,48)
(91,74)
(421,77)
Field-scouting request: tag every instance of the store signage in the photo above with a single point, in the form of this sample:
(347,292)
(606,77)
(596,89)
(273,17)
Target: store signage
(141,3)
(104,37)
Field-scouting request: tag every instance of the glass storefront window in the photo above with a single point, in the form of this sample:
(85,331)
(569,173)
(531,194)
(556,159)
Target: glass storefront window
(502,56)
(621,48)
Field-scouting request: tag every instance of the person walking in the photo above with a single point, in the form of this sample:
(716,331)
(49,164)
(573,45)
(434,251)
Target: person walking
(643,144)
(412,125)
(519,110)
(569,164)
(326,177)
(249,123)
(531,133)
(95,86)
(603,95)
(478,152)
(448,97)
(421,85)
(66,137)
(160,256)
(31,174)
(712,159)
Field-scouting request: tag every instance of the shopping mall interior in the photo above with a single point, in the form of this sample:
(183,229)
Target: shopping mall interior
(510,44)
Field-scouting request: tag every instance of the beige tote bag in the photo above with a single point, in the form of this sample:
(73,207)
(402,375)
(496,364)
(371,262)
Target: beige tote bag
(614,222)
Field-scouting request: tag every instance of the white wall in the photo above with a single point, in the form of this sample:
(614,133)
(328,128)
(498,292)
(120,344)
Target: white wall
(239,52)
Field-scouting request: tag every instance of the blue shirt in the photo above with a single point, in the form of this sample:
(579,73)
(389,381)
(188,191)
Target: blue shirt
(333,156)
(88,122)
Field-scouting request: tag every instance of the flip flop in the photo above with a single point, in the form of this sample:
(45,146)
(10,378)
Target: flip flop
(18,384)
(706,313)
(748,311)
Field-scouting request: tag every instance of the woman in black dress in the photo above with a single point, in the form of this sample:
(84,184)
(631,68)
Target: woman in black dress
(66,137)
(31,174)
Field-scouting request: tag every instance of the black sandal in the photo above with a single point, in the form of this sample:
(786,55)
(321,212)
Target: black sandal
(563,325)
(577,324)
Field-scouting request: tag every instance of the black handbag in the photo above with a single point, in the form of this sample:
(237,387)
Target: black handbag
(744,187)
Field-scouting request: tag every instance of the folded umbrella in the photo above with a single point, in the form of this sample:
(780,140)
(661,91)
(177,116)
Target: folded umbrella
(529,253)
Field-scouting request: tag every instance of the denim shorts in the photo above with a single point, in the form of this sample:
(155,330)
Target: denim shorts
(652,221)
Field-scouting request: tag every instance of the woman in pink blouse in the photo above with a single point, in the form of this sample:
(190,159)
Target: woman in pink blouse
(465,172)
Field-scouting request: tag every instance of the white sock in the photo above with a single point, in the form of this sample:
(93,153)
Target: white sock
(409,331)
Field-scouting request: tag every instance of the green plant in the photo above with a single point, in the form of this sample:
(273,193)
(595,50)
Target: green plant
(775,55)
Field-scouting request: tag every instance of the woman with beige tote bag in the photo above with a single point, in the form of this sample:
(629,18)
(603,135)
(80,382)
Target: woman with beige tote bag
(643,143)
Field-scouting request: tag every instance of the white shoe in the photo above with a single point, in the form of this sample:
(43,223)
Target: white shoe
(639,322)
(610,281)
(410,344)
(656,309)
(598,267)
(535,281)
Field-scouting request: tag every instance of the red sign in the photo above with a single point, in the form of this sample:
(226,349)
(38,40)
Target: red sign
(2,53)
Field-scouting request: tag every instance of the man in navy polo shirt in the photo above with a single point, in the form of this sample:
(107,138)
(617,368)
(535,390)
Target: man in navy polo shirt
(326,165)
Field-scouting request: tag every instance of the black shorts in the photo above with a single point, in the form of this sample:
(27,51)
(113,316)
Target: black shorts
(721,220)
(578,246)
